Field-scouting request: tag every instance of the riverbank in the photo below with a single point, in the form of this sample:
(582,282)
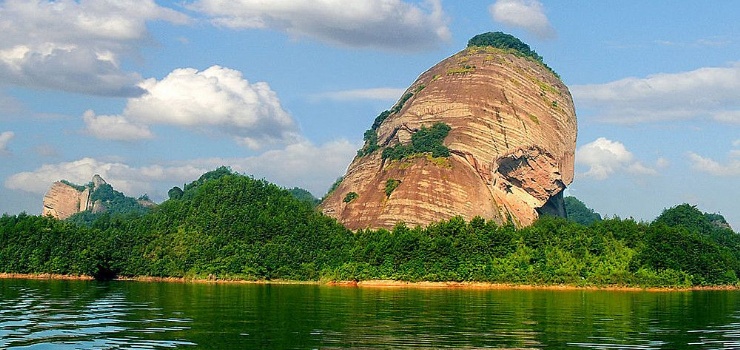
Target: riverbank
(377,283)
(509,286)
(44,276)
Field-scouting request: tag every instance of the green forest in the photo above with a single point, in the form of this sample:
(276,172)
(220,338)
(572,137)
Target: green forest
(231,226)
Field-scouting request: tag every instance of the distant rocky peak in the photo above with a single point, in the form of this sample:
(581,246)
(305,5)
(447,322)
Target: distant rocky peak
(98,181)
(64,198)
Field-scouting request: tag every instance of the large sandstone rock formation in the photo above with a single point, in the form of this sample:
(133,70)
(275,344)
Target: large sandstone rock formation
(512,144)
(65,199)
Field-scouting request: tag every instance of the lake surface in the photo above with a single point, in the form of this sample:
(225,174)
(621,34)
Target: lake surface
(145,315)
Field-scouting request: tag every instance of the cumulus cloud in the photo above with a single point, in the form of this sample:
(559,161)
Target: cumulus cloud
(295,165)
(362,94)
(112,127)
(75,46)
(604,157)
(709,92)
(713,167)
(130,180)
(216,99)
(525,14)
(5,137)
(384,24)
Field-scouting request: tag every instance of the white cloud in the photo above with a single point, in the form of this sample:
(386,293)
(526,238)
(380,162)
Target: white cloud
(662,163)
(114,127)
(709,92)
(713,167)
(604,157)
(638,168)
(75,46)
(711,42)
(362,94)
(5,137)
(525,14)
(385,24)
(303,164)
(130,180)
(216,99)
(730,117)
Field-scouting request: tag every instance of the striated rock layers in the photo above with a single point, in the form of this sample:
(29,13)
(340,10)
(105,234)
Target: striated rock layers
(511,147)
(65,199)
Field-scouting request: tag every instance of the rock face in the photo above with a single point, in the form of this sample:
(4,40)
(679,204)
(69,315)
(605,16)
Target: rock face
(65,199)
(512,145)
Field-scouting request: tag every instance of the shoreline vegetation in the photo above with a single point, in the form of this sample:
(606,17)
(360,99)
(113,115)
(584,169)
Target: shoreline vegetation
(227,226)
(384,284)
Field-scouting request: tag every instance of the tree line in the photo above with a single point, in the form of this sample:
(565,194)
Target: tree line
(231,226)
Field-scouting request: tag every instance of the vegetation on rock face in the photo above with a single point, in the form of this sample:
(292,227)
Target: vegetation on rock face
(350,197)
(502,40)
(114,203)
(371,143)
(391,186)
(380,119)
(425,140)
(507,42)
(77,187)
(334,186)
(233,226)
(371,135)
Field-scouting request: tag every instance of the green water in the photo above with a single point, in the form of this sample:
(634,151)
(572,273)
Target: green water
(127,315)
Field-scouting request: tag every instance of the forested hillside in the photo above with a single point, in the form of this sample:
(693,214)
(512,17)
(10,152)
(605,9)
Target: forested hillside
(227,225)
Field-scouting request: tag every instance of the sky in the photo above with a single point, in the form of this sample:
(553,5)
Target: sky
(152,94)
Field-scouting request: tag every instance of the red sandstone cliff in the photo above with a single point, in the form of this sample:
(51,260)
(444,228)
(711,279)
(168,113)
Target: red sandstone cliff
(64,199)
(512,144)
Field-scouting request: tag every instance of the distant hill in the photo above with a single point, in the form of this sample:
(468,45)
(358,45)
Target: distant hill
(82,203)
(578,212)
(304,195)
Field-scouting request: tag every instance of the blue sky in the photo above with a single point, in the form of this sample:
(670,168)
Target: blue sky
(151,94)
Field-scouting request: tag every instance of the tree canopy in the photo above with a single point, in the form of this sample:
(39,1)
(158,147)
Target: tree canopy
(505,41)
(502,40)
(232,226)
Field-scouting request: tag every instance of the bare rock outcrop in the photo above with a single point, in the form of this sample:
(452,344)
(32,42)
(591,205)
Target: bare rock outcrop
(65,199)
(511,147)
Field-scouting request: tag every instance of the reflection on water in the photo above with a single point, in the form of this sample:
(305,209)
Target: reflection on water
(67,314)
(81,315)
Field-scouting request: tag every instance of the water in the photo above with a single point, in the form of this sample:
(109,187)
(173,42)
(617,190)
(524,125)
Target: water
(138,315)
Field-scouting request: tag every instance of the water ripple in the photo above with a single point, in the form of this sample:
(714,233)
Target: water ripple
(42,319)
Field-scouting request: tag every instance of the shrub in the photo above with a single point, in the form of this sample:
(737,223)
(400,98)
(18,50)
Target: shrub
(390,186)
(350,197)
(426,140)
(371,143)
